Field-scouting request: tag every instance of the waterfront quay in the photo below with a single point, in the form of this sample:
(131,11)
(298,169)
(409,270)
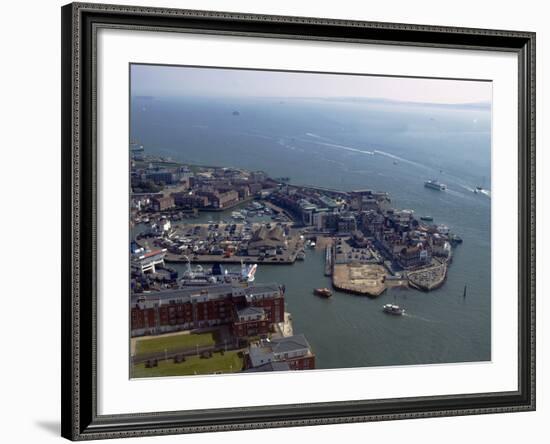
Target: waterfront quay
(362,269)
(374,245)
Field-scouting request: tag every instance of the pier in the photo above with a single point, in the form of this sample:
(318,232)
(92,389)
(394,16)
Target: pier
(328,260)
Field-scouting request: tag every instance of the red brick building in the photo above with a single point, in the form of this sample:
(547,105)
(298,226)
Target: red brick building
(186,200)
(162,203)
(249,310)
(219,199)
(250,321)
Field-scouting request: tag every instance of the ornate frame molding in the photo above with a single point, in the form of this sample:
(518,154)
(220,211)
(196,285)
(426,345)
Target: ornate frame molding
(80,22)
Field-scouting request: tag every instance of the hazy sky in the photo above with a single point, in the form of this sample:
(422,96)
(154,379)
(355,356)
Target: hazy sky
(183,81)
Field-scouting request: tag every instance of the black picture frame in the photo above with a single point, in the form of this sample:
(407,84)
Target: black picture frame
(79,172)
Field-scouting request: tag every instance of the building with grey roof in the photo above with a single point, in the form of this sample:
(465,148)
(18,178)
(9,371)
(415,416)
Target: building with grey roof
(292,350)
(250,314)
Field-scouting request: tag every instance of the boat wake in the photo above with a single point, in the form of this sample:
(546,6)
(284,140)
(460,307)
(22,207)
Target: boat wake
(455,193)
(284,144)
(340,147)
(486,193)
(448,177)
(420,318)
(316,136)
(259,136)
(316,139)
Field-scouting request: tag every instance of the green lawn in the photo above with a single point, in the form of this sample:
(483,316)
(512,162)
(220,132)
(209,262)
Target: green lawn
(174,342)
(229,362)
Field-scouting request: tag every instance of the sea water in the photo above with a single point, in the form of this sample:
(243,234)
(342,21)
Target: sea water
(357,144)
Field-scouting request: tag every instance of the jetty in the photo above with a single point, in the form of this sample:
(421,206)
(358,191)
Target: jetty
(328,260)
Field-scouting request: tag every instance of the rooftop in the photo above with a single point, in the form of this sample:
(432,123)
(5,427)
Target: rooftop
(289,343)
(250,311)
(260,288)
(208,291)
(260,355)
(267,351)
(263,233)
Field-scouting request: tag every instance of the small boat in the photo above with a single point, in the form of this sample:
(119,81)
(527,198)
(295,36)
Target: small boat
(435,185)
(324,292)
(427,218)
(393,309)
(301,255)
(455,239)
(479,188)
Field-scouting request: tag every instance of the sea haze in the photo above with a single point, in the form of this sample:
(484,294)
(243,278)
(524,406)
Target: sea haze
(350,144)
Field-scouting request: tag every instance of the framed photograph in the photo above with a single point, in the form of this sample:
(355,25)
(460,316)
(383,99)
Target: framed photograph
(278,221)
